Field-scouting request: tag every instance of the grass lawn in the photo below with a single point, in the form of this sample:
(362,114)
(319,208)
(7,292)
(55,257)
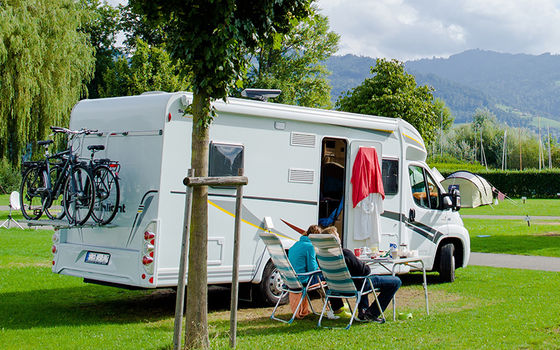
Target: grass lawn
(532,207)
(485,308)
(514,236)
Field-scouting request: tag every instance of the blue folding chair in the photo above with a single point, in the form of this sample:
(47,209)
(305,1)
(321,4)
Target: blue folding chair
(292,284)
(340,283)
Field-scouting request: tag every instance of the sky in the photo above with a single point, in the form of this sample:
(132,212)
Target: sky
(414,29)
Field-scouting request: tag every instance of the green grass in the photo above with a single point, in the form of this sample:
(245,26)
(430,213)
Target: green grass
(485,308)
(514,237)
(532,207)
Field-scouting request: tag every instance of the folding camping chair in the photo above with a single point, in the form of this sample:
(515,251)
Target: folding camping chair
(340,283)
(292,284)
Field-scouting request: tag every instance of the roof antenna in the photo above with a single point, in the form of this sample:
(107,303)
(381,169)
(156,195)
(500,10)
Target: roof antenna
(260,94)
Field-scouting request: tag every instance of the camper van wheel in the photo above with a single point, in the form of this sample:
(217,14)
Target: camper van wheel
(447,263)
(271,285)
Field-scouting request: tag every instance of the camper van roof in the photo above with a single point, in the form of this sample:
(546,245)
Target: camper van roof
(142,108)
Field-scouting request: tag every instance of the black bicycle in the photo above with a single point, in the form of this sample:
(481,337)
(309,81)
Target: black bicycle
(107,190)
(43,182)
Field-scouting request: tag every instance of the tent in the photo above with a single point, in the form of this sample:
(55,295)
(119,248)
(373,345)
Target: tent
(475,190)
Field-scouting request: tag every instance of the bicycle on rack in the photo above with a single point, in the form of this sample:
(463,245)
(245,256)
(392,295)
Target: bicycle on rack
(43,182)
(107,189)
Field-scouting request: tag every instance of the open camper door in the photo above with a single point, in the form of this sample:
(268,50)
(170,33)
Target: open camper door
(354,220)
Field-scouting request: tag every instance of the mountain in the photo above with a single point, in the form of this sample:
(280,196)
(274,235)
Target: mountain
(518,88)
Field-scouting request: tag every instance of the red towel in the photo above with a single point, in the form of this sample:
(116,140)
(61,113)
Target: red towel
(366,175)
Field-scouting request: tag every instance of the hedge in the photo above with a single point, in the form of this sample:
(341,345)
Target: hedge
(529,183)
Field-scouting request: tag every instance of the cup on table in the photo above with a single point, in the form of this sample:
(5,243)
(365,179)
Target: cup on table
(394,253)
(357,252)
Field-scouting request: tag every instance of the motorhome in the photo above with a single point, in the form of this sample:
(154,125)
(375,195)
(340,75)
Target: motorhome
(299,164)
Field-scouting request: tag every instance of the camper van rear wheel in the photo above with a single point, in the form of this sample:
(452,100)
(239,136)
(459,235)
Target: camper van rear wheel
(447,263)
(271,285)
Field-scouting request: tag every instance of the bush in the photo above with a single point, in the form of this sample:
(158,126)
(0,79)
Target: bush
(10,177)
(529,183)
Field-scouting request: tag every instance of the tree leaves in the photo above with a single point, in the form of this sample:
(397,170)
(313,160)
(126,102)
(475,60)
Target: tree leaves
(45,62)
(393,93)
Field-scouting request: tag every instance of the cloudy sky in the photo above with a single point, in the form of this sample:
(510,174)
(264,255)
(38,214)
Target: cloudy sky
(412,29)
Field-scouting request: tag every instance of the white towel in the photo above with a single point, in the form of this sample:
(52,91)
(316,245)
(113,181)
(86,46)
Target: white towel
(366,219)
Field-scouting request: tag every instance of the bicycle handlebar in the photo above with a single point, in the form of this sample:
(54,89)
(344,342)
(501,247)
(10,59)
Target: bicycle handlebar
(59,129)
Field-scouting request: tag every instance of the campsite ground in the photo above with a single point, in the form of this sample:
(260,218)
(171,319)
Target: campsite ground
(500,308)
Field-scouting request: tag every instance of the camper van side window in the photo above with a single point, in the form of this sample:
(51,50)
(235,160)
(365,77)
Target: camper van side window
(390,175)
(418,186)
(225,159)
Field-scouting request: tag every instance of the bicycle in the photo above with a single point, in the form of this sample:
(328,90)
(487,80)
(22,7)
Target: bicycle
(59,174)
(107,189)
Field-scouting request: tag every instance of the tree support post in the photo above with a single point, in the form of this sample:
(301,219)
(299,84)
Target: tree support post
(190,181)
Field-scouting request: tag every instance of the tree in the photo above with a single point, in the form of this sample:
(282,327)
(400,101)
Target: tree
(148,69)
(393,93)
(45,63)
(214,40)
(294,63)
(102,25)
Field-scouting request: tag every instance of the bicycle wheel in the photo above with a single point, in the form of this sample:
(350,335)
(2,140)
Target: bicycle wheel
(33,193)
(79,195)
(55,211)
(107,195)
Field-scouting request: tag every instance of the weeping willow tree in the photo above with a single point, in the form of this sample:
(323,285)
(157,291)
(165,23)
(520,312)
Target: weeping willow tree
(45,63)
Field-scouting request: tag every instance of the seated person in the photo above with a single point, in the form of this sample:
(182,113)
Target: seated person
(302,255)
(388,285)
(303,258)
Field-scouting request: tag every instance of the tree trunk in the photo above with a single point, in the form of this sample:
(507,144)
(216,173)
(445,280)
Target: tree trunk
(197,285)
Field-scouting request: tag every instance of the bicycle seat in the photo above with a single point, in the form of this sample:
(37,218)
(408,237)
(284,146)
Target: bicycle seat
(45,142)
(96,147)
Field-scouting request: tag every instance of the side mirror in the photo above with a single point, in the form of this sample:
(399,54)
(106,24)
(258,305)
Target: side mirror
(452,200)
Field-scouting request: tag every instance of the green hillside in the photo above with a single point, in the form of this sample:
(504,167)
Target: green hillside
(517,88)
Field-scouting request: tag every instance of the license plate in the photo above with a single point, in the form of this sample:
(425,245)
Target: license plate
(97,258)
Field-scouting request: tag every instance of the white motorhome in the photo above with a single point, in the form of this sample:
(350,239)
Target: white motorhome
(298,162)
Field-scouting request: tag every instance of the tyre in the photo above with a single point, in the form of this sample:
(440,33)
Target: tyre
(447,263)
(33,193)
(55,211)
(270,287)
(79,195)
(107,195)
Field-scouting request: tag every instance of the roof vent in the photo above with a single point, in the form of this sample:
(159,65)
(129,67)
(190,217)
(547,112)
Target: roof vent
(260,94)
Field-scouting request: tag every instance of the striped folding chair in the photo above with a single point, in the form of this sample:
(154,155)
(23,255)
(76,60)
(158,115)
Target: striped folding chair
(339,281)
(292,284)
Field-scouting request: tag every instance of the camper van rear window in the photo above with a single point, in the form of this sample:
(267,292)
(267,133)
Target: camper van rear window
(390,172)
(225,159)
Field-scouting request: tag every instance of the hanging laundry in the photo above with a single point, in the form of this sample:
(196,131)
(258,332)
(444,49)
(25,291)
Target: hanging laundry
(367,196)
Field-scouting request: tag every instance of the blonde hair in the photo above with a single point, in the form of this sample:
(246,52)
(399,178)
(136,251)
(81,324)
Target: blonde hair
(331,230)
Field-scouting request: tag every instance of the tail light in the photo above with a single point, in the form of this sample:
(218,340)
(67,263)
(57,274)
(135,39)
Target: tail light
(54,248)
(148,251)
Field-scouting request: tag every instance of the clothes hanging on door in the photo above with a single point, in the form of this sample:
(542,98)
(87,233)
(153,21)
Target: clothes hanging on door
(367,196)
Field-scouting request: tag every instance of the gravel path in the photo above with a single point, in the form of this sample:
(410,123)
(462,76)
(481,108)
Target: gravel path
(526,262)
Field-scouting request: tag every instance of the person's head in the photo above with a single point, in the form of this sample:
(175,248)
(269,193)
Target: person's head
(313,229)
(331,230)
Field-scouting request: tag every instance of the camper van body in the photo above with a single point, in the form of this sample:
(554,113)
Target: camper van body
(282,150)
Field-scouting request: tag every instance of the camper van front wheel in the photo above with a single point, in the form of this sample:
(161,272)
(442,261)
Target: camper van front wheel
(447,263)
(271,285)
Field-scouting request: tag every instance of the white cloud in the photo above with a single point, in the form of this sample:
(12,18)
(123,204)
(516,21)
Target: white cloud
(408,29)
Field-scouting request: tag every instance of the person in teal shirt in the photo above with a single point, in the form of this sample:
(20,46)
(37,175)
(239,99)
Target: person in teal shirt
(302,255)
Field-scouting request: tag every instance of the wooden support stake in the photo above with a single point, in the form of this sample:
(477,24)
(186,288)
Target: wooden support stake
(235,272)
(179,303)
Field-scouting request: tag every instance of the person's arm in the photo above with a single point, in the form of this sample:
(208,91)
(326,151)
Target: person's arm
(355,265)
